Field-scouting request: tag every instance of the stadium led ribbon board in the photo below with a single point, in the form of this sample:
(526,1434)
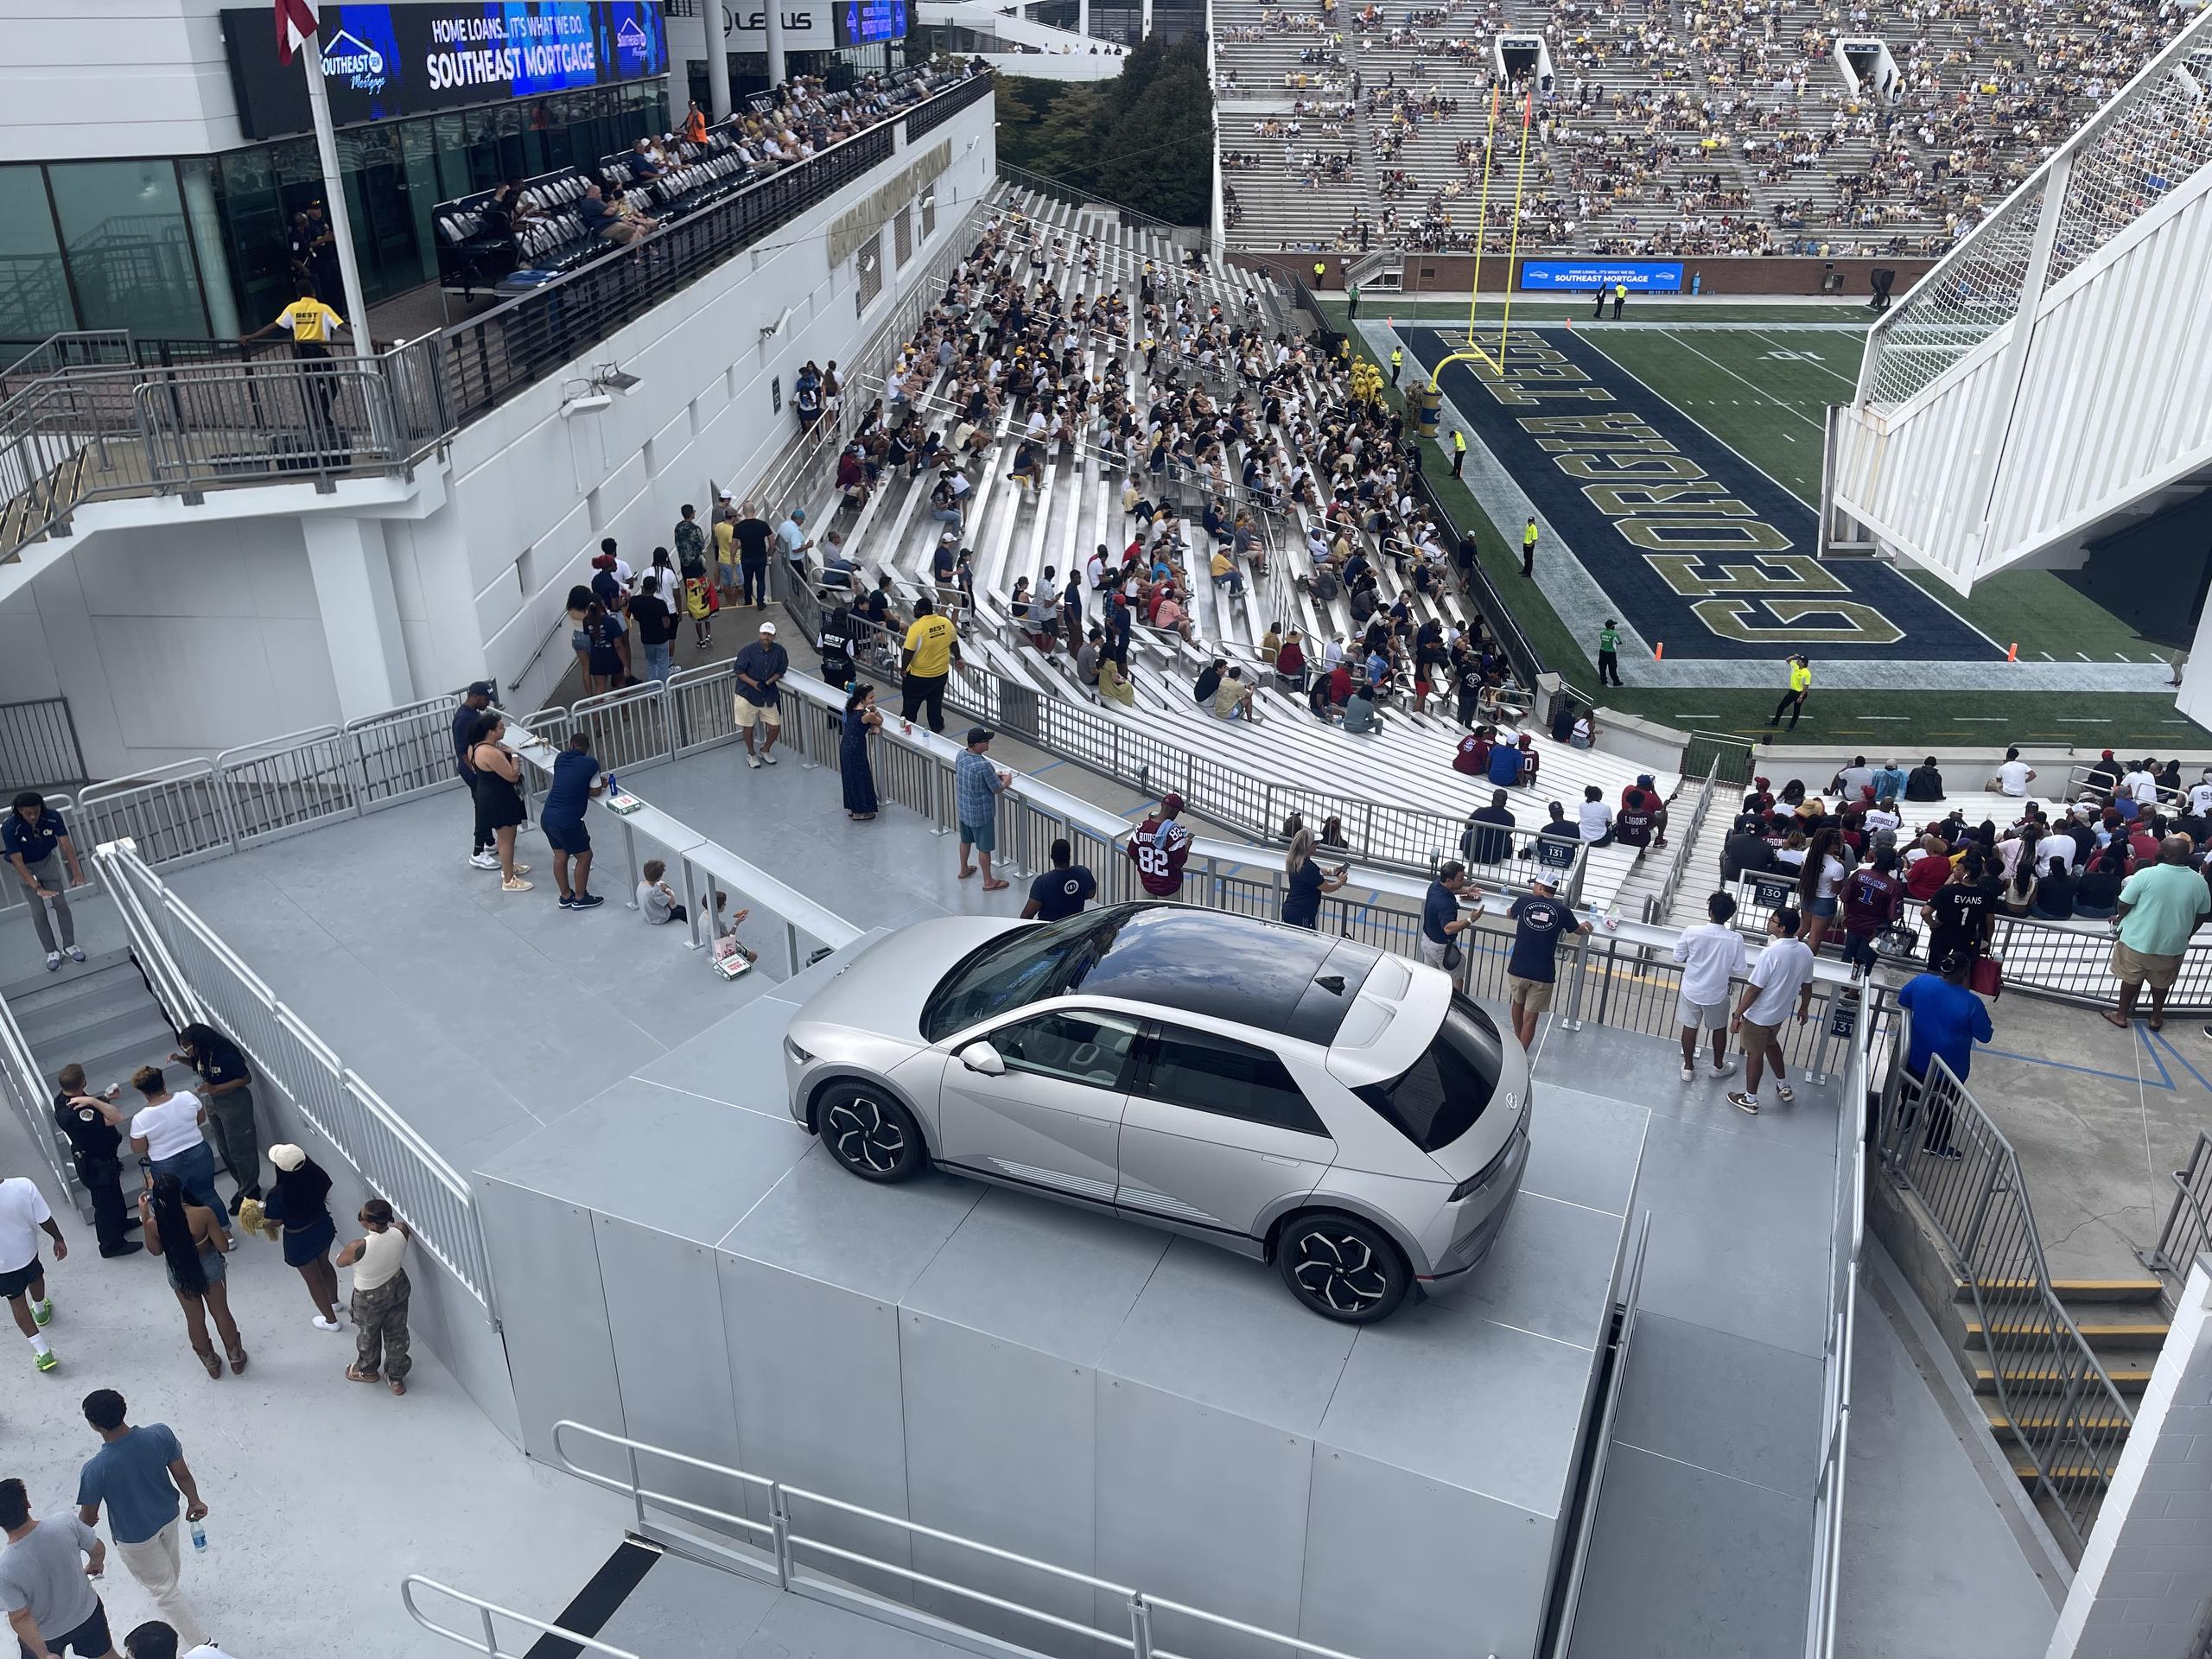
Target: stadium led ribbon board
(1694,545)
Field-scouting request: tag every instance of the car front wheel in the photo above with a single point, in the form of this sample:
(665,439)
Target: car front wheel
(1341,1268)
(870,1133)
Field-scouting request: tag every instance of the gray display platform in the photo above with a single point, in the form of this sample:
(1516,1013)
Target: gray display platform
(678,1261)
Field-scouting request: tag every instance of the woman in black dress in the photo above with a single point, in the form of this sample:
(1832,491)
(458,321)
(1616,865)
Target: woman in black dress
(499,797)
(861,721)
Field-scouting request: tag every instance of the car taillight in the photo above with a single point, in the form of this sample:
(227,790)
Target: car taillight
(1483,1177)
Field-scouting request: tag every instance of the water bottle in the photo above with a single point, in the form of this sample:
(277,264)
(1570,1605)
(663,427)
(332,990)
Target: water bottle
(200,1534)
(612,792)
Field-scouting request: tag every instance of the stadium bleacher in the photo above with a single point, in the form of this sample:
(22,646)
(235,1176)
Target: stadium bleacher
(1030,535)
(1724,128)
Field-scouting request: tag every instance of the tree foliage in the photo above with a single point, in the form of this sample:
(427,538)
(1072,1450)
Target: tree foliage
(1144,140)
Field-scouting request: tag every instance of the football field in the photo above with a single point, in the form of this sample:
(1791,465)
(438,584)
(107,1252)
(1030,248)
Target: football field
(1756,379)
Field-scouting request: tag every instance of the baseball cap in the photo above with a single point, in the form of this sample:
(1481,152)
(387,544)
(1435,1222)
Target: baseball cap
(723,496)
(768,628)
(978,734)
(1643,781)
(481,689)
(799,514)
(1760,782)
(1170,804)
(287,1157)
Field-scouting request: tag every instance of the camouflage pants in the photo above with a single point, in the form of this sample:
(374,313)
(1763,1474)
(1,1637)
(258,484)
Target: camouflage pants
(380,1329)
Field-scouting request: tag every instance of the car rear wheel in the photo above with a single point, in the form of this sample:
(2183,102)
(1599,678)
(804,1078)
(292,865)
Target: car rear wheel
(869,1132)
(1341,1268)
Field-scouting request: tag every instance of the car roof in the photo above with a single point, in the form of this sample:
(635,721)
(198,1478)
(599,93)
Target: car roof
(1288,981)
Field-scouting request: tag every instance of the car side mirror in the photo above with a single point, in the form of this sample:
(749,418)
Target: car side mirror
(981,1056)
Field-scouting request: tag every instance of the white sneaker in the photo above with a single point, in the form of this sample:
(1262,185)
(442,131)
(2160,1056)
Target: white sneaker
(321,1324)
(1689,1072)
(485,860)
(73,952)
(1724,1068)
(752,760)
(767,758)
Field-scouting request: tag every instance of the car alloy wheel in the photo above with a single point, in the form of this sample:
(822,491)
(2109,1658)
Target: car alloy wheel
(870,1133)
(1341,1268)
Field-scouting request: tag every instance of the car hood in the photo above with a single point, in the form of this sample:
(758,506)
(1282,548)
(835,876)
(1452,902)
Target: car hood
(881,992)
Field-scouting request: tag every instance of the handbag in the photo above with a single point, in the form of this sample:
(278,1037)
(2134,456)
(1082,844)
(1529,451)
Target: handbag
(1897,939)
(1454,958)
(1986,978)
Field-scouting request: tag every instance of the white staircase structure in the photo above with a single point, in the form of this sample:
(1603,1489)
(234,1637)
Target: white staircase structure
(2046,383)
(1025,46)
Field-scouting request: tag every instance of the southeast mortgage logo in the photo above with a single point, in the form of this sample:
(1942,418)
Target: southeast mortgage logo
(360,66)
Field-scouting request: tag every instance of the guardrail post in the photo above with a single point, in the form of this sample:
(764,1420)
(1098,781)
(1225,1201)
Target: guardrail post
(637,1488)
(491,1637)
(780,1522)
(1139,1626)
(1581,969)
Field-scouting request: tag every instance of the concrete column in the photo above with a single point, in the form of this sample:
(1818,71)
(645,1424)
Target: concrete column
(715,21)
(1147,20)
(772,13)
(1083,16)
(360,614)
(2195,697)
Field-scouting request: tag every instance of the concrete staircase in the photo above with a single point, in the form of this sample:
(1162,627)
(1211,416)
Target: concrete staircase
(97,1014)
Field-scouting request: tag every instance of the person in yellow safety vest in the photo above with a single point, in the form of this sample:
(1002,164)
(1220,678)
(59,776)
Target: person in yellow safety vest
(1800,687)
(1397,362)
(1459,450)
(313,325)
(1528,548)
(1620,298)
(1320,273)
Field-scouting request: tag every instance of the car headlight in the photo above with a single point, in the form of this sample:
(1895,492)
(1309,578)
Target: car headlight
(797,1055)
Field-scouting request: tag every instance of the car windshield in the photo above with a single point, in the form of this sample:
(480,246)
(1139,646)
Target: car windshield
(1437,1099)
(1018,969)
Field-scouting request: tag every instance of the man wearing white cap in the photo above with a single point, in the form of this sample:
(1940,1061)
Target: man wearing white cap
(758,671)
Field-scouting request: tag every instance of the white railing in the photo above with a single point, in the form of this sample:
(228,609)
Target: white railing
(427,1192)
(783,1550)
(486,1613)
(27,1093)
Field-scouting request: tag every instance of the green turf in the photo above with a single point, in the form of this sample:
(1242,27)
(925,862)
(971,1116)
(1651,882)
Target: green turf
(1768,409)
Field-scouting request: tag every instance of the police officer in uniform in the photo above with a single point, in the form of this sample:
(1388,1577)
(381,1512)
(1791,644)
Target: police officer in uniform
(95,1128)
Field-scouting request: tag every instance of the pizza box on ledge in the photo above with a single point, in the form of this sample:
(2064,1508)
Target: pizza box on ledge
(618,800)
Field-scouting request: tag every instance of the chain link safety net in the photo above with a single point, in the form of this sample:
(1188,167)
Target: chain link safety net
(2155,141)
(1961,303)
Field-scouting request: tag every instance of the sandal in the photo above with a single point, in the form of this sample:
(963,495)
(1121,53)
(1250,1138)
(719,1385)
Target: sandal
(237,1356)
(355,1374)
(207,1358)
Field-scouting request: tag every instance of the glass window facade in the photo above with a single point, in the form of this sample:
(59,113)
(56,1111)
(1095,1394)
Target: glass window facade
(195,247)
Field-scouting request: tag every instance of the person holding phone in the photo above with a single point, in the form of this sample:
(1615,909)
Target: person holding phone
(1305,882)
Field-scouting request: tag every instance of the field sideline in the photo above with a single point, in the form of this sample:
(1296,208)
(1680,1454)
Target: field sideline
(1760,390)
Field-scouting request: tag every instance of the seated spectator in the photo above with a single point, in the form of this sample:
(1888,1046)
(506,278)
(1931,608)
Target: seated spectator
(1926,783)
(1595,818)
(657,900)
(2056,890)
(1359,710)
(1473,756)
(1209,680)
(1745,851)
(1233,699)
(1488,837)
(1226,575)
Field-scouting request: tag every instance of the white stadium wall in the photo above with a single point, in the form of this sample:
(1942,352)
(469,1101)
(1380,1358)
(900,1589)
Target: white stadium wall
(116,77)
(179,631)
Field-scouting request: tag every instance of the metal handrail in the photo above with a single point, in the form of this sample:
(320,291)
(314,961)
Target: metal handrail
(1978,1206)
(27,1092)
(785,1544)
(487,1611)
(2187,1233)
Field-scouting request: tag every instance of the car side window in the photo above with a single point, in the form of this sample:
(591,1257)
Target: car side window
(1076,1047)
(1232,1079)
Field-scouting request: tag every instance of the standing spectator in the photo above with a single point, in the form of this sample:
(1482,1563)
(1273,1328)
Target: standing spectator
(2159,908)
(1948,1020)
(94,1129)
(1609,653)
(931,646)
(23,1217)
(499,796)
(1532,971)
(976,786)
(139,1474)
(1160,848)
(1305,882)
(43,1581)
(473,702)
(575,781)
(1872,897)
(34,833)
(792,536)
(656,625)
(1817,885)
(166,1132)
(1440,921)
(227,1091)
(1712,955)
(1062,891)
(1528,548)
(861,721)
(379,1259)
(756,671)
(1793,700)
(1783,970)
(1962,912)
(299,1200)
(752,534)
(190,1240)
(690,544)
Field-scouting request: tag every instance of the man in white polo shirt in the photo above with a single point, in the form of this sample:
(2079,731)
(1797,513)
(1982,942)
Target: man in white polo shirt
(166,1131)
(1712,955)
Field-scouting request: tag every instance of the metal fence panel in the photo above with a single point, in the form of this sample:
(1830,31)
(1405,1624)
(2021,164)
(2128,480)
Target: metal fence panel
(289,784)
(170,819)
(402,753)
(38,745)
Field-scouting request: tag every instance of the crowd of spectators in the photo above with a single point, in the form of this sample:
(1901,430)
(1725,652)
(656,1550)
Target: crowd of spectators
(1724,127)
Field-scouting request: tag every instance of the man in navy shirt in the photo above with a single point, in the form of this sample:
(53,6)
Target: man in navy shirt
(1061,891)
(759,670)
(34,833)
(473,701)
(1948,1020)
(1539,919)
(1440,921)
(575,781)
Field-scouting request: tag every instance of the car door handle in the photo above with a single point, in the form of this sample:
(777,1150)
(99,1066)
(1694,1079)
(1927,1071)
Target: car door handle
(1269,1158)
(1097,1123)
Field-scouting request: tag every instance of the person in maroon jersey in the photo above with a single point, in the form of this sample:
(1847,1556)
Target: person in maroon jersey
(1872,896)
(1160,846)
